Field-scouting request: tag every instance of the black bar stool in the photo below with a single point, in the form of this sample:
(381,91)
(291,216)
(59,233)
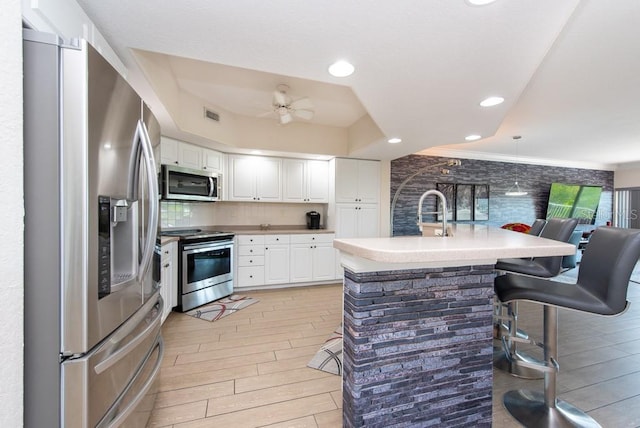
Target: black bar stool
(537,226)
(507,357)
(601,289)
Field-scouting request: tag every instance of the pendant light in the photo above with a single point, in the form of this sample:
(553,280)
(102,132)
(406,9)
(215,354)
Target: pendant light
(515,189)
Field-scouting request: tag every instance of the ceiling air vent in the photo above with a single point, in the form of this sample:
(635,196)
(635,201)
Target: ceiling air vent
(211,115)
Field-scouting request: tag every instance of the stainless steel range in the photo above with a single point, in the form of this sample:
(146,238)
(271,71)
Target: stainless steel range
(205,268)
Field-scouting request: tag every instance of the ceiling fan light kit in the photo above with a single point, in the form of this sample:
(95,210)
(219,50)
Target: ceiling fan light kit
(285,108)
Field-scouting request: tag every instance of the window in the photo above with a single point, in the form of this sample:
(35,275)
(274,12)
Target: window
(466,202)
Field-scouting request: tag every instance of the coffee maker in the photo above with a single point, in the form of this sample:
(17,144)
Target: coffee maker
(313,220)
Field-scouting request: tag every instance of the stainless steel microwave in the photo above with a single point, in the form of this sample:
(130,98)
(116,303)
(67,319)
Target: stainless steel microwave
(186,184)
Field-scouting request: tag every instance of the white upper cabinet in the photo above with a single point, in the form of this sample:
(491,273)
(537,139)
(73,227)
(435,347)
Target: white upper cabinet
(305,181)
(211,160)
(174,152)
(254,178)
(169,151)
(357,181)
(189,156)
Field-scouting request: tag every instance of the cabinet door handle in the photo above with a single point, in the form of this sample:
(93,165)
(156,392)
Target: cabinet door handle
(167,265)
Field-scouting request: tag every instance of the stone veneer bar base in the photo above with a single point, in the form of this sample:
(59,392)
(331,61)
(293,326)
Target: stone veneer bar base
(418,347)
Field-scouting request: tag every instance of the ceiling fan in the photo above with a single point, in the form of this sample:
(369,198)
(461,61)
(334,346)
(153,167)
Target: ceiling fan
(286,109)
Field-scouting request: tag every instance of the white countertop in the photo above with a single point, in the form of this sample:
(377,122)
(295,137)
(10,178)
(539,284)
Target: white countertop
(469,245)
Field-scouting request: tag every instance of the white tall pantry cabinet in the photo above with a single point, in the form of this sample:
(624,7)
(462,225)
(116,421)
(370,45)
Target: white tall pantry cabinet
(356,213)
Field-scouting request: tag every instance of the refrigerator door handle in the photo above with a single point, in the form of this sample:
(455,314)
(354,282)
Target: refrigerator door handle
(110,361)
(122,416)
(143,152)
(152,180)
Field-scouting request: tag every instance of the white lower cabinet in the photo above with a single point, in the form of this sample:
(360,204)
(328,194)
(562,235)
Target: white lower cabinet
(282,259)
(276,259)
(313,257)
(168,277)
(249,261)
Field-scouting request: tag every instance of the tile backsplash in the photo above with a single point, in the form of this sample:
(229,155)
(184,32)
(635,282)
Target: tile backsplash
(187,214)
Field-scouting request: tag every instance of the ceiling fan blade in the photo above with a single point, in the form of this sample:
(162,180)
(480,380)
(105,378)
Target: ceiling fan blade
(303,114)
(285,118)
(266,113)
(302,104)
(279,98)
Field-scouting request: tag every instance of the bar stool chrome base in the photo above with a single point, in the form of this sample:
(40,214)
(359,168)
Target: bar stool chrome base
(513,364)
(529,408)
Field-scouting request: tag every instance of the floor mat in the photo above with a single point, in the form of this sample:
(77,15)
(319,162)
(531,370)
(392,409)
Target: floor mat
(221,308)
(329,357)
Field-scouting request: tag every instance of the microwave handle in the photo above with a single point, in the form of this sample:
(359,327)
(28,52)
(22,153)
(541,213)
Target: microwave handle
(212,188)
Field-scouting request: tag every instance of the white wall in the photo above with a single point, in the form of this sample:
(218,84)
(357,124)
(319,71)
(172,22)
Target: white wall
(627,176)
(11,215)
(186,214)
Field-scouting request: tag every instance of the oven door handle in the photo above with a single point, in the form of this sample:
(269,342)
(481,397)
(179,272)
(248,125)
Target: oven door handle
(208,246)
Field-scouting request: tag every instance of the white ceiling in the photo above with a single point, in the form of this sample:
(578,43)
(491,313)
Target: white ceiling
(569,70)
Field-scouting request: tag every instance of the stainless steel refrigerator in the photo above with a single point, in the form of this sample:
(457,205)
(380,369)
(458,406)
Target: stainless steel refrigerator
(92,307)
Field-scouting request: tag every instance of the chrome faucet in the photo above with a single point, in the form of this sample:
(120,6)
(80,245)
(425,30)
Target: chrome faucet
(443,202)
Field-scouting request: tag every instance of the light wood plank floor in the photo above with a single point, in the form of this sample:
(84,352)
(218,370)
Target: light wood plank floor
(249,369)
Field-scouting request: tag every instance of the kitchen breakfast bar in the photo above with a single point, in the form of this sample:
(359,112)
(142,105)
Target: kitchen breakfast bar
(418,325)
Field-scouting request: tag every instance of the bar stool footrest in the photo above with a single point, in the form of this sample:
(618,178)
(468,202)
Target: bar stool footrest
(513,364)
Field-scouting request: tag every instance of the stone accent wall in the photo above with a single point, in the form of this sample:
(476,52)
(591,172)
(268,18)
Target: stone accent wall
(418,348)
(535,179)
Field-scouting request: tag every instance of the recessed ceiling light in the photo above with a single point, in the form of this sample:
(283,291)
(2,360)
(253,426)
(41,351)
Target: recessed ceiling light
(394,140)
(479,2)
(341,69)
(256,152)
(473,137)
(491,101)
